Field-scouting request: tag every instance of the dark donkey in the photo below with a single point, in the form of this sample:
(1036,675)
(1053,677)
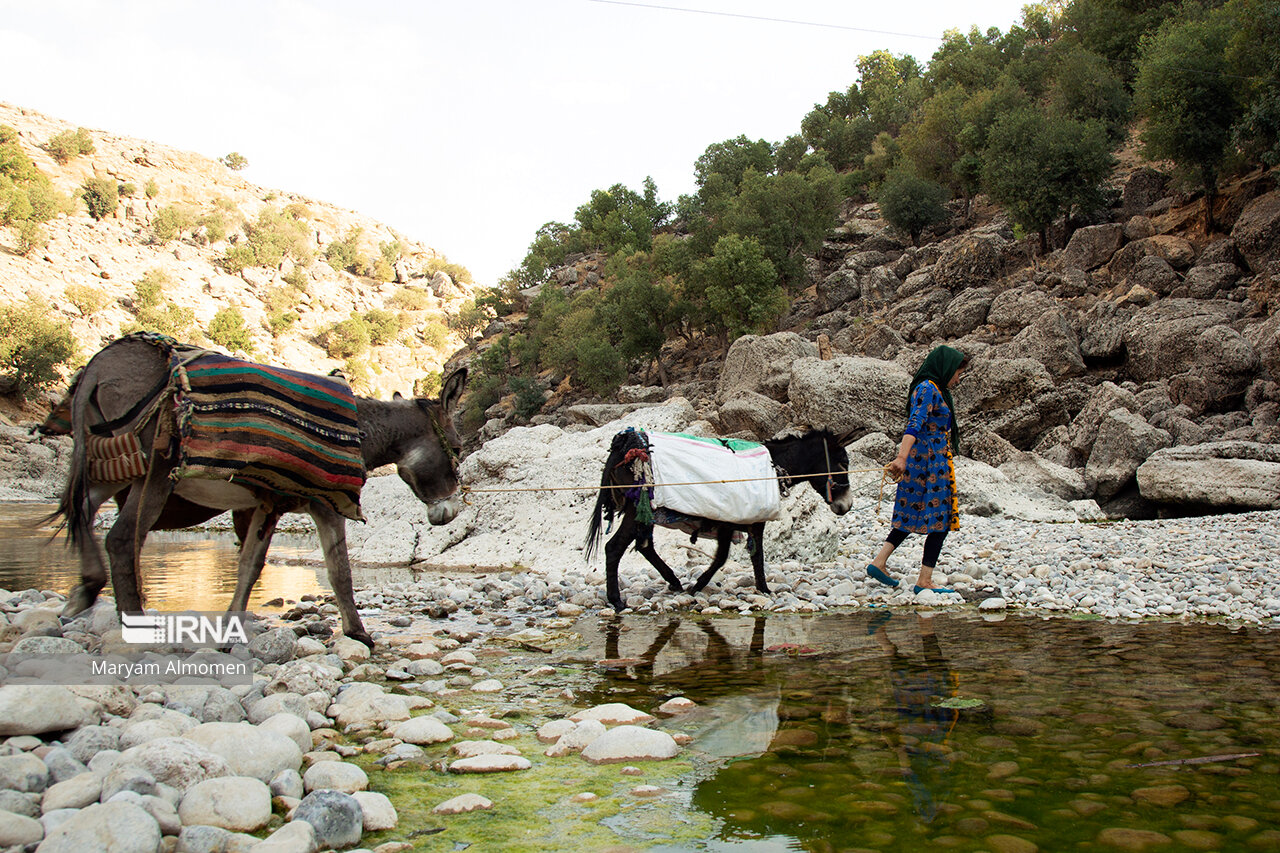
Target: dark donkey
(130,387)
(817,458)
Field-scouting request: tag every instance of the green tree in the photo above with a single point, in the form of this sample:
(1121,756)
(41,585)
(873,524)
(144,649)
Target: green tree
(1085,88)
(1187,96)
(645,313)
(1040,167)
(911,203)
(468,320)
(101,196)
(893,88)
(234,161)
(841,128)
(68,144)
(1252,54)
(34,345)
(227,329)
(621,220)
(739,285)
(346,338)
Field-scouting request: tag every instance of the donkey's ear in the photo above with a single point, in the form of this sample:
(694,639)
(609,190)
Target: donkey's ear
(451,392)
(848,438)
(396,395)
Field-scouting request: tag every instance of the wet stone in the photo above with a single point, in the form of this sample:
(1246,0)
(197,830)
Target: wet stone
(1198,839)
(1010,844)
(463,804)
(1161,795)
(1197,722)
(1124,838)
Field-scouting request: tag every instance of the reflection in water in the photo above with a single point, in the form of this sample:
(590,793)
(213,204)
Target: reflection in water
(185,570)
(851,732)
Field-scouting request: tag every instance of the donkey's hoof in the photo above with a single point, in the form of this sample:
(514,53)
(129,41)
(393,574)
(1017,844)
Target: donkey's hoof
(675,586)
(80,600)
(363,637)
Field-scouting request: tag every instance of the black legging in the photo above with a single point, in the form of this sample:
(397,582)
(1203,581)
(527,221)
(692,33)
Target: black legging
(932,544)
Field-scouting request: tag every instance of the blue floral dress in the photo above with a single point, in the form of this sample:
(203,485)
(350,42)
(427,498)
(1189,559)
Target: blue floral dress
(926,501)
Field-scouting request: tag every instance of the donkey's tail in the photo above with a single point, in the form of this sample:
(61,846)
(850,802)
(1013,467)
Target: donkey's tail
(606,505)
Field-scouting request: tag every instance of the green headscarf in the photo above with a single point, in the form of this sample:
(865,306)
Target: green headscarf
(939,367)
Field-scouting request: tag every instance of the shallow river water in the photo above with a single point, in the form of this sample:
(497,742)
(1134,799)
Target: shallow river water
(864,730)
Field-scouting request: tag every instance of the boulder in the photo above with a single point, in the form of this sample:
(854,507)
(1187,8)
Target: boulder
(754,413)
(378,812)
(1208,281)
(34,709)
(630,743)
(762,364)
(1031,469)
(966,312)
(422,730)
(23,772)
(1154,274)
(335,776)
(1178,252)
(1014,398)
(1226,474)
(1050,340)
(1257,231)
(839,288)
(1091,247)
(849,394)
(1102,336)
(1108,397)
(1124,442)
(174,761)
(971,260)
(1016,307)
(576,739)
(17,831)
(1161,339)
(613,714)
(237,803)
(1144,188)
(1224,367)
(119,827)
(297,836)
(249,750)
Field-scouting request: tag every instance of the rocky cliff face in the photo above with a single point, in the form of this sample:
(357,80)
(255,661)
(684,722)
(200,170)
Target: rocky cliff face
(104,259)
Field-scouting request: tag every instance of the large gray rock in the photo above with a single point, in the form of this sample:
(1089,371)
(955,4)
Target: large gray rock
(75,793)
(34,709)
(1033,470)
(119,827)
(1226,364)
(1208,281)
(1102,332)
(174,761)
(1257,231)
(1179,253)
(754,413)
(1091,247)
(849,394)
(17,830)
(1226,474)
(23,772)
(1014,398)
(237,803)
(971,260)
(630,743)
(337,818)
(1162,339)
(762,364)
(335,776)
(378,812)
(297,836)
(249,750)
(966,312)
(1124,442)
(1108,397)
(1050,340)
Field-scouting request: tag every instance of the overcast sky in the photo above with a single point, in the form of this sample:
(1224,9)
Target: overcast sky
(465,125)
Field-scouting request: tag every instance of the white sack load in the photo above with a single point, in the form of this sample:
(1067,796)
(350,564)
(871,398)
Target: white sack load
(680,459)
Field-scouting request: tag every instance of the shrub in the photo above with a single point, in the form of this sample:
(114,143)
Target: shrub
(275,235)
(237,258)
(151,188)
(391,252)
(168,319)
(383,326)
(457,272)
(298,279)
(169,222)
(357,373)
(410,299)
(235,161)
(528,400)
(429,386)
(34,345)
(435,335)
(149,290)
(69,143)
(345,254)
(346,338)
(279,322)
(127,189)
(469,319)
(101,195)
(87,299)
(31,237)
(383,271)
(227,329)
(214,225)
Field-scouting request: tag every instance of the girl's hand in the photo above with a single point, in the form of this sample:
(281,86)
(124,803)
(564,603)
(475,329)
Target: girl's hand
(897,468)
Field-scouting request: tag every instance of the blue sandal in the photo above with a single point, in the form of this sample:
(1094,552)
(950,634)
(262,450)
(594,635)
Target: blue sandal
(878,573)
(940,590)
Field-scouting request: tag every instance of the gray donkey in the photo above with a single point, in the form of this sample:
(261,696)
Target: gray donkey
(135,393)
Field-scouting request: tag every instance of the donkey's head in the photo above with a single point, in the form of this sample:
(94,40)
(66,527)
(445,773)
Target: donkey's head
(427,460)
(818,458)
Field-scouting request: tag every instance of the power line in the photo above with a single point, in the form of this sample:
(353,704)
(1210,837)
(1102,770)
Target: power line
(767,19)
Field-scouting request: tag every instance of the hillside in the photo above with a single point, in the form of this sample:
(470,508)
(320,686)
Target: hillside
(179,217)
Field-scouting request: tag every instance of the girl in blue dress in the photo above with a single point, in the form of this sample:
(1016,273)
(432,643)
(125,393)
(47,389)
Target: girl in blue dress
(926,501)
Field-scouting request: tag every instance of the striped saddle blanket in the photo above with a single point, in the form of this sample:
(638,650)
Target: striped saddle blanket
(288,432)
